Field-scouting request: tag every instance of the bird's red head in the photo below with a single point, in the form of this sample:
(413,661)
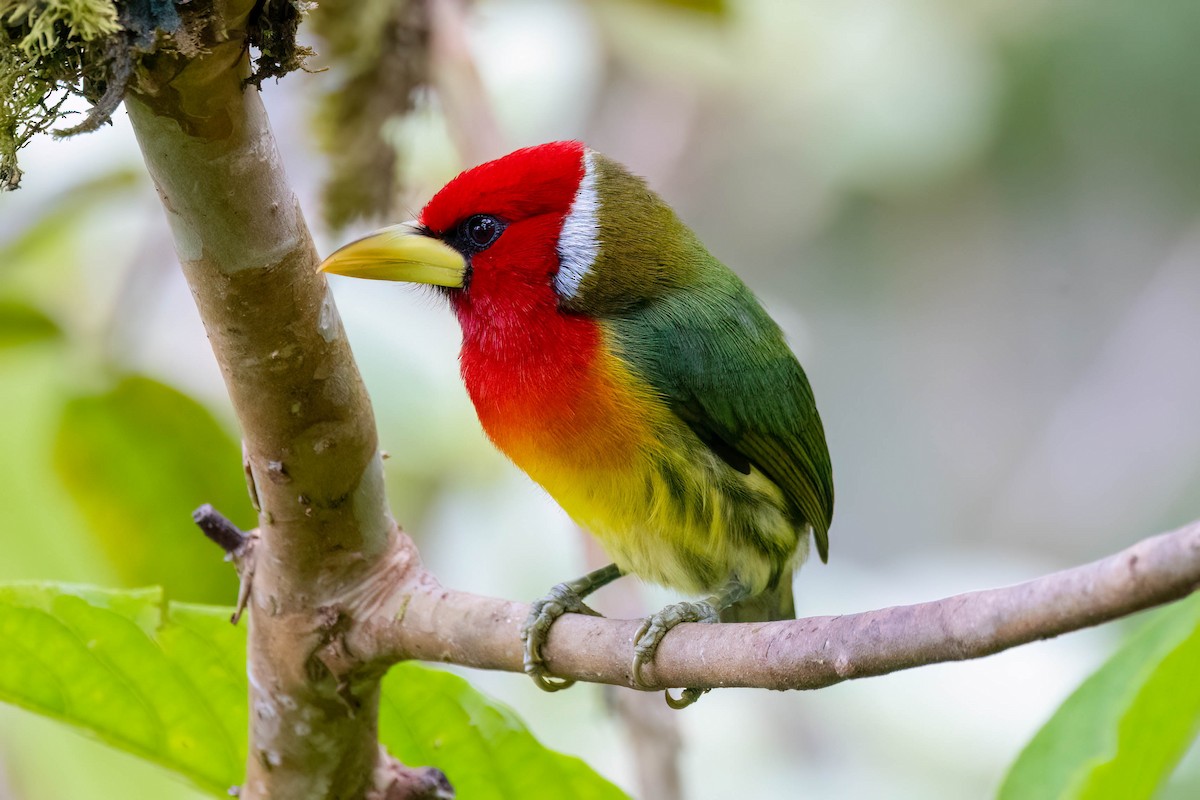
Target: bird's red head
(531,182)
(547,229)
(505,217)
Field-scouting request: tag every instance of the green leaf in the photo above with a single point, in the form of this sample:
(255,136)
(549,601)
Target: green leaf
(1121,733)
(168,683)
(432,717)
(171,690)
(137,460)
(22,323)
(719,8)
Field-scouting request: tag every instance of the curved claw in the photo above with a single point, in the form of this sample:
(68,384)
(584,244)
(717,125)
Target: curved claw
(562,599)
(547,682)
(651,634)
(639,659)
(688,697)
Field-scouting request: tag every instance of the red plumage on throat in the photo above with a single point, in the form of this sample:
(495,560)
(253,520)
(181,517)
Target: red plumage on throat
(522,358)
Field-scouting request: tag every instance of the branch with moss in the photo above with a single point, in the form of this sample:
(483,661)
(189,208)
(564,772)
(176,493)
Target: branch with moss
(43,50)
(51,52)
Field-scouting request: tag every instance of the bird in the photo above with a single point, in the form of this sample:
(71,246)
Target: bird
(632,375)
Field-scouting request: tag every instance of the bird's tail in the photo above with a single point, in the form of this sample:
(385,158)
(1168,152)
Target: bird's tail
(774,603)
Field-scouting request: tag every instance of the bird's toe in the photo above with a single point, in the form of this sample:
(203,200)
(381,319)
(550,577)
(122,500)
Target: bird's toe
(562,599)
(651,634)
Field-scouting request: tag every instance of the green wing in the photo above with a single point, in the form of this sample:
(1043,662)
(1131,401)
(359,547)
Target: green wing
(723,367)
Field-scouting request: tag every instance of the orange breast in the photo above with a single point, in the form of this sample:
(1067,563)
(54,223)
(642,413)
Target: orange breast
(591,417)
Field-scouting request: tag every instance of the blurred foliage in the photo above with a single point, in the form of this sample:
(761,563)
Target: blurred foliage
(58,221)
(132,455)
(61,280)
(1121,734)
(167,681)
(715,7)
(381,50)
(1059,125)
(138,459)
(22,323)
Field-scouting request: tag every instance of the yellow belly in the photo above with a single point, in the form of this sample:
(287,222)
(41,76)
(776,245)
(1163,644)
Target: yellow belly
(665,507)
(688,522)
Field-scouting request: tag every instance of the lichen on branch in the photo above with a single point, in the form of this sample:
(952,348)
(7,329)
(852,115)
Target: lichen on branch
(49,52)
(45,24)
(272,33)
(54,50)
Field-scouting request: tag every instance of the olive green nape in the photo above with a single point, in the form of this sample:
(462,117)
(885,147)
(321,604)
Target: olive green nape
(645,250)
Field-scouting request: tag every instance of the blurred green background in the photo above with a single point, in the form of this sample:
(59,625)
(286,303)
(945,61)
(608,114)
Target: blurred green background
(979,224)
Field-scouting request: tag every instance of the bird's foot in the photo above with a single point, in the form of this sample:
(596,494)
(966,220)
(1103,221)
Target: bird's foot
(564,598)
(651,633)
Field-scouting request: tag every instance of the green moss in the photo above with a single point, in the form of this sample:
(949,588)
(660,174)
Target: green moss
(47,22)
(50,51)
(273,33)
(53,50)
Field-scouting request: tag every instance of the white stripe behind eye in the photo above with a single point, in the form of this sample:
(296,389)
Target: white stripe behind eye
(579,242)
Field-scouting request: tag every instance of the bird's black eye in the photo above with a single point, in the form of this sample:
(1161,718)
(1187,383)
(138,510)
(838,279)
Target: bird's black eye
(481,230)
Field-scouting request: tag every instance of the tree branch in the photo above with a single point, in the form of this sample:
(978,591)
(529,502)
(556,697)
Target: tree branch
(311,451)
(442,625)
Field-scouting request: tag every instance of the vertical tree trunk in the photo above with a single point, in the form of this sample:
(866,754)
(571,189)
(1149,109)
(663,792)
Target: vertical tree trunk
(309,433)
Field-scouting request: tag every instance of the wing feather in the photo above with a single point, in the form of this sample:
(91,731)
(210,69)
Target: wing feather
(723,367)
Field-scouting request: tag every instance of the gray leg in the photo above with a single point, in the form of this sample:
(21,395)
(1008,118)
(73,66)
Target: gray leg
(656,626)
(564,598)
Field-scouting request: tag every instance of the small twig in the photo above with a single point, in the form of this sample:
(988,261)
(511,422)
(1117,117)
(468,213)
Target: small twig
(395,781)
(238,546)
(118,74)
(219,529)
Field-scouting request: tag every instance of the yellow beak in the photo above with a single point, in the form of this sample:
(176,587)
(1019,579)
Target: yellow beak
(399,253)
